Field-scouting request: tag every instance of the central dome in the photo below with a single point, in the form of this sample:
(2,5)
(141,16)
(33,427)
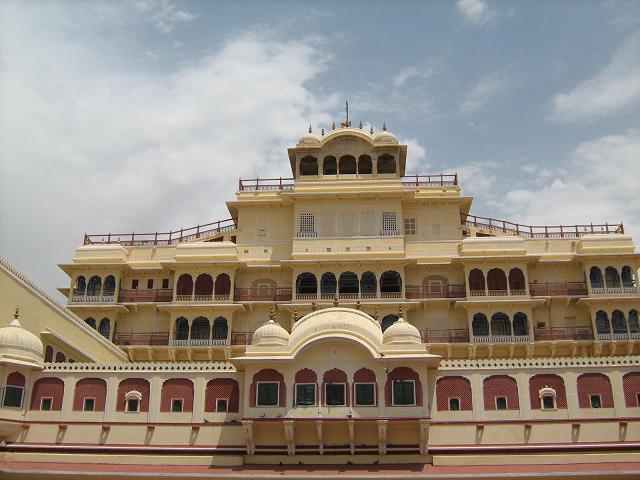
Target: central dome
(20,347)
(270,334)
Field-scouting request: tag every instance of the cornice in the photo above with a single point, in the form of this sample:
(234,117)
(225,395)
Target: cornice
(517,364)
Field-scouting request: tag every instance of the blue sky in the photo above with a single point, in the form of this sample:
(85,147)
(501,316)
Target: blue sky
(142,115)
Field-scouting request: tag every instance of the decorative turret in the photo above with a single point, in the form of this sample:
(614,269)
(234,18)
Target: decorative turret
(401,332)
(19,347)
(270,334)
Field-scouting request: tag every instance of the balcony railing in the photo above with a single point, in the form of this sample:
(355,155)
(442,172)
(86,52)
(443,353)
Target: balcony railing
(539,231)
(501,338)
(204,298)
(445,291)
(564,333)
(106,298)
(629,290)
(619,336)
(349,296)
(262,294)
(459,335)
(171,237)
(430,181)
(150,295)
(199,342)
(496,293)
(153,338)
(265,184)
(558,289)
(241,338)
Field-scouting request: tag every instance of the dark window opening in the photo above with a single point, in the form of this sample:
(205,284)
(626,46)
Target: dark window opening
(150,283)
(47,404)
(134,284)
(334,393)
(176,405)
(267,394)
(548,402)
(165,283)
(222,405)
(501,403)
(12,396)
(595,400)
(403,392)
(133,405)
(305,394)
(454,404)
(365,394)
(89,404)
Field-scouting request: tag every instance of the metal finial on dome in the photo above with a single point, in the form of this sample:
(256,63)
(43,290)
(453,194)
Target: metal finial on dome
(333,125)
(322,132)
(335,301)
(17,313)
(384,126)
(360,125)
(357,304)
(371,130)
(272,314)
(310,128)
(375,313)
(400,311)
(295,315)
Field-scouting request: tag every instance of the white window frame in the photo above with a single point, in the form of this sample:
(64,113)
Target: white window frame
(506,402)
(375,394)
(277,397)
(225,400)
(42,400)
(181,400)
(4,390)
(410,226)
(388,220)
(84,404)
(307,222)
(449,409)
(132,395)
(344,398)
(315,394)
(415,394)
(591,395)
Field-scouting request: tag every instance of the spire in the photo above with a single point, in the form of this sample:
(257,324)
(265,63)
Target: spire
(360,125)
(371,130)
(333,125)
(346,109)
(322,132)
(17,313)
(384,126)
(310,128)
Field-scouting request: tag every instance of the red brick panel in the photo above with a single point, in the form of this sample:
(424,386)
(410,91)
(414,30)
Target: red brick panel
(306,376)
(268,375)
(631,386)
(335,375)
(139,384)
(47,387)
(500,386)
(538,382)
(177,388)
(16,379)
(222,388)
(402,373)
(454,387)
(364,375)
(90,388)
(594,383)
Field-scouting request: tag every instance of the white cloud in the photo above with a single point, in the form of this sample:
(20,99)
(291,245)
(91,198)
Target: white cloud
(615,88)
(487,88)
(416,156)
(164,14)
(599,184)
(401,78)
(86,146)
(474,11)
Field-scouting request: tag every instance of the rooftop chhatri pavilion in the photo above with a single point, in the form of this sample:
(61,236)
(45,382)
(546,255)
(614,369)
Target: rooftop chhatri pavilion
(350,316)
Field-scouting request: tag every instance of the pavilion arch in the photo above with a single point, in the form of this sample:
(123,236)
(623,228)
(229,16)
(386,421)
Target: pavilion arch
(500,324)
(618,322)
(105,327)
(516,280)
(139,386)
(94,287)
(204,285)
(387,321)
(91,322)
(222,285)
(90,388)
(181,330)
(631,388)
(268,375)
(348,283)
(390,282)
(480,325)
(335,375)
(386,164)
(176,389)
(330,165)
(184,285)
(308,166)
(220,328)
(520,324)
(611,277)
(550,382)
(200,329)
(589,384)
(347,165)
(109,288)
(306,284)
(364,165)
(328,284)
(503,386)
(368,283)
(595,277)
(332,337)
(454,387)
(476,280)
(47,388)
(496,280)
(602,322)
(628,277)
(80,286)
(633,321)
(222,389)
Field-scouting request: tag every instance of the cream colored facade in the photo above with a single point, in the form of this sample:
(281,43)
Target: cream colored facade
(349,315)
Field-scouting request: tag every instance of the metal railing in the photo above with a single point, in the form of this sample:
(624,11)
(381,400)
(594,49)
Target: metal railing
(226,297)
(349,296)
(558,289)
(152,295)
(430,181)
(241,338)
(152,338)
(563,333)
(614,290)
(445,291)
(456,335)
(107,298)
(619,336)
(260,294)
(198,342)
(501,338)
(496,293)
(539,231)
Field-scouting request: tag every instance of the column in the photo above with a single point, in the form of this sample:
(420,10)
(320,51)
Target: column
(486,284)
(571,387)
(67,400)
(155,394)
(111,402)
(199,392)
(477,396)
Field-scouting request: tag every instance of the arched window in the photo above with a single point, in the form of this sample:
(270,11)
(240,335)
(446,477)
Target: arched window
(594,391)
(480,325)
(476,281)
(628,277)
(91,322)
(364,165)
(330,166)
(611,277)
(308,166)
(60,357)
(595,278)
(327,285)
(268,389)
(335,388)
(222,395)
(516,281)
(403,388)
(347,165)
(306,284)
(80,286)
(90,395)
(453,393)
(386,164)
(185,285)
(500,324)
(105,327)
(181,331)
(633,321)
(200,329)
(631,387)
(618,322)
(602,323)
(390,282)
(305,393)
(94,288)
(223,285)
(500,393)
(368,284)
(388,321)
(14,390)
(176,395)
(520,324)
(133,395)
(348,283)
(435,284)
(47,394)
(220,328)
(204,286)
(110,286)
(48,354)
(496,280)
(547,392)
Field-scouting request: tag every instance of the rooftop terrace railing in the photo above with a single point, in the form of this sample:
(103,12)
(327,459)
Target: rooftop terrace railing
(540,231)
(171,237)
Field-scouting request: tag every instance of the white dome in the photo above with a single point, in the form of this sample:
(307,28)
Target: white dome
(309,139)
(20,347)
(401,332)
(385,138)
(270,334)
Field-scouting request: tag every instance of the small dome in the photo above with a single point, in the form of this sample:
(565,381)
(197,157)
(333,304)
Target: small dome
(20,347)
(401,332)
(270,334)
(385,138)
(309,140)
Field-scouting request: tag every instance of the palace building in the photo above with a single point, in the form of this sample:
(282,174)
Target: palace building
(352,317)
